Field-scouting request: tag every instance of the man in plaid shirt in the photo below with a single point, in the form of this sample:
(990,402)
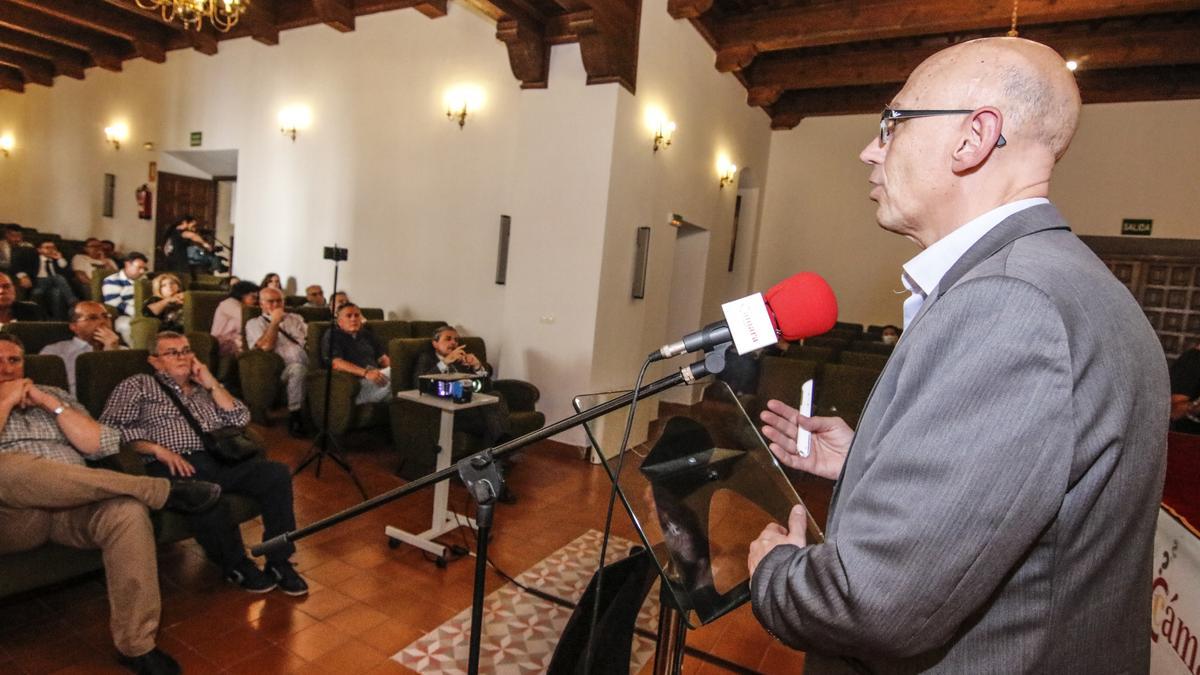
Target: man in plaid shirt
(152,423)
(48,494)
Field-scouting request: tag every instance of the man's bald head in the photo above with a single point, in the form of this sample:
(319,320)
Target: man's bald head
(1027,81)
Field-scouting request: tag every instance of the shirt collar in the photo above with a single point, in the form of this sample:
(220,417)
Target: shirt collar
(924,271)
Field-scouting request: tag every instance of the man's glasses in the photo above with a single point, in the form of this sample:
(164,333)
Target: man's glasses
(889,118)
(175,353)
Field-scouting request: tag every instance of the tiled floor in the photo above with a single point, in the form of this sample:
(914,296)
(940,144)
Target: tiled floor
(367,600)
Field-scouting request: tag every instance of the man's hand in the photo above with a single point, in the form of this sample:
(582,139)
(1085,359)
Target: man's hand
(471,361)
(376,376)
(455,356)
(175,463)
(25,282)
(831,438)
(37,397)
(774,535)
(277,315)
(176,299)
(108,338)
(201,375)
(12,393)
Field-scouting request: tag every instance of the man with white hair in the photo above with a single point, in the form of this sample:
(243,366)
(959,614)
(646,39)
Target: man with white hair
(995,508)
(283,333)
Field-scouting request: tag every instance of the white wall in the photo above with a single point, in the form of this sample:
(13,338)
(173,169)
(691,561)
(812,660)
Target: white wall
(1128,160)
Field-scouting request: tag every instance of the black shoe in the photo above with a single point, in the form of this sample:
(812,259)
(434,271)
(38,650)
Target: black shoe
(192,496)
(287,579)
(250,578)
(295,425)
(153,662)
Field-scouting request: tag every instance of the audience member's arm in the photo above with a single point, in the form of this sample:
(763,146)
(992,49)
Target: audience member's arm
(155,308)
(174,461)
(111,292)
(11,394)
(1179,406)
(123,411)
(89,437)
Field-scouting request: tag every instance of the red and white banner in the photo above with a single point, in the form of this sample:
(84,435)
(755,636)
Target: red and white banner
(1175,622)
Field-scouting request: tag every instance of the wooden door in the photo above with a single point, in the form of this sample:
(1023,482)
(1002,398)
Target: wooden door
(1164,276)
(177,196)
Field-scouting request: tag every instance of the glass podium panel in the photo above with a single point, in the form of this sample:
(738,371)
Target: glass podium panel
(699,491)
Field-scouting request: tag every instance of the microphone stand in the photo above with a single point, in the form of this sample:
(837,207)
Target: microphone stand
(483,480)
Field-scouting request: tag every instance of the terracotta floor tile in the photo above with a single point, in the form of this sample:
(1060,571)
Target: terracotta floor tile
(356,618)
(324,603)
(331,572)
(778,658)
(389,667)
(352,657)
(276,625)
(272,660)
(391,636)
(314,641)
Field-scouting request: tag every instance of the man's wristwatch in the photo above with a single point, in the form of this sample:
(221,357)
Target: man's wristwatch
(62,407)
(1193,410)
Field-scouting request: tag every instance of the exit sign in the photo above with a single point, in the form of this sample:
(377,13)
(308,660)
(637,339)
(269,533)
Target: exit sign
(196,138)
(1136,227)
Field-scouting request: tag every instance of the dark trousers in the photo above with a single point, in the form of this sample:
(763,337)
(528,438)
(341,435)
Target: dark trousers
(54,294)
(267,482)
(489,422)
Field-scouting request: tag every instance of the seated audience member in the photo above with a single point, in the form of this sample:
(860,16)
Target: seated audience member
(46,273)
(283,333)
(10,309)
(117,291)
(1185,392)
(340,298)
(889,335)
(145,410)
(449,356)
(314,296)
(110,252)
(48,494)
(227,322)
(271,280)
(354,349)
(93,333)
(166,304)
(14,238)
(89,262)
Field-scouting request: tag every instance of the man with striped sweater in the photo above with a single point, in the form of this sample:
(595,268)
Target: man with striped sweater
(117,291)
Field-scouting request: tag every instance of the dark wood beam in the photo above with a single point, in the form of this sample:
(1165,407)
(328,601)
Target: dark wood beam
(430,8)
(528,52)
(105,51)
(203,40)
(794,106)
(688,9)
(10,78)
(260,19)
(608,40)
(1150,83)
(1166,44)
(67,61)
(38,71)
(803,26)
(337,14)
(148,39)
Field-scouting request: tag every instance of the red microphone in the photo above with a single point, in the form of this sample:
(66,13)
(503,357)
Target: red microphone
(801,306)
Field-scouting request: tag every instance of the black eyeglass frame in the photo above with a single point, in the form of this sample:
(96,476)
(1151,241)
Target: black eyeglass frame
(889,117)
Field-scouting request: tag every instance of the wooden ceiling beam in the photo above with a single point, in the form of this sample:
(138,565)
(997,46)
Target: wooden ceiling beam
(1152,83)
(815,25)
(608,40)
(431,8)
(337,14)
(528,51)
(1169,44)
(795,105)
(149,40)
(34,69)
(11,79)
(260,19)
(203,40)
(106,52)
(66,61)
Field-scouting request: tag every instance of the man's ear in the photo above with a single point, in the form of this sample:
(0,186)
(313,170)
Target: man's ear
(980,134)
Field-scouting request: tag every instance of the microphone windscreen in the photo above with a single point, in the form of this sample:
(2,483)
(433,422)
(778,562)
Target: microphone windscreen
(803,305)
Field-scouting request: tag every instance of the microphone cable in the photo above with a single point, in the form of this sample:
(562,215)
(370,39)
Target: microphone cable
(612,499)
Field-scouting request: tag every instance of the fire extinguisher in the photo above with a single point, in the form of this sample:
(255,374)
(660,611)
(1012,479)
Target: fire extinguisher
(145,202)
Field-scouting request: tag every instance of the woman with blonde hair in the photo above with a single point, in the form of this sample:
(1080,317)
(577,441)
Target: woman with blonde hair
(166,303)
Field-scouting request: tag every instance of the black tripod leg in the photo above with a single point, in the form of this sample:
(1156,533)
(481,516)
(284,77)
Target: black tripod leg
(320,450)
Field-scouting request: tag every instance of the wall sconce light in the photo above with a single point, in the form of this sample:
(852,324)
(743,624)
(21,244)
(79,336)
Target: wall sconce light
(6,144)
(461,101)
(116,134)
(294,118)
(662,128)
(726,170)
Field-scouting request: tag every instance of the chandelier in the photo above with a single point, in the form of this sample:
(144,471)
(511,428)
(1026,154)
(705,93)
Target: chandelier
(222,14)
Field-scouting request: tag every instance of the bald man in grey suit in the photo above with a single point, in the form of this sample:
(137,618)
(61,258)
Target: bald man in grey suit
(995,509)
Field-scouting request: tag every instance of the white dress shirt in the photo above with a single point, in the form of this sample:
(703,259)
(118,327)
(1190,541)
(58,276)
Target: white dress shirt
(923,273)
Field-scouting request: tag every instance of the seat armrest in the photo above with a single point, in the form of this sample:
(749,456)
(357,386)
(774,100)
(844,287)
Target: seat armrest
(518,394)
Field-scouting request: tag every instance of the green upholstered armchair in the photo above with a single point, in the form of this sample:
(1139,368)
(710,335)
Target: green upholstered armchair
(372,313)
(48,370)
(98,373)
(344,415)
(141,329)
(312,314)
(259,371)
(415,426)
(843,391)
(199,308)
(35,335)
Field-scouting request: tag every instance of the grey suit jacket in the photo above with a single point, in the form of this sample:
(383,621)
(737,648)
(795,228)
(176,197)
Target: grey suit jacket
(996,511)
